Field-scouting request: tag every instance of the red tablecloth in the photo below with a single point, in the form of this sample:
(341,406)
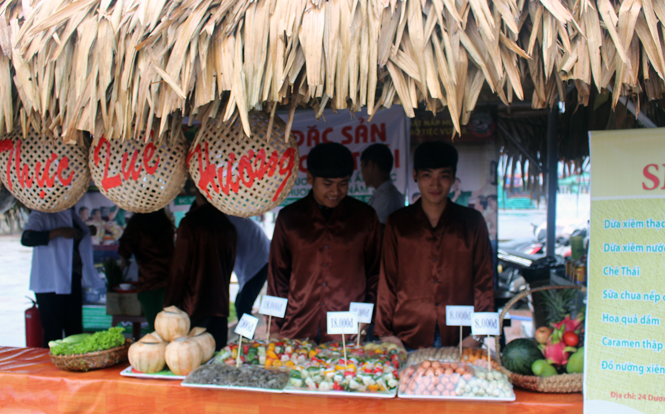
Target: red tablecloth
(29,383)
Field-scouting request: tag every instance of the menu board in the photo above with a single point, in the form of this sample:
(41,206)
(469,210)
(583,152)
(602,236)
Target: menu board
(625,358)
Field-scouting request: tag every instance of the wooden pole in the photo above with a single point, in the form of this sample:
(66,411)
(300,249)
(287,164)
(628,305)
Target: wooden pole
(460,342)
(239,351)
(269,323)
(489,362)
(359,325)
(344,345)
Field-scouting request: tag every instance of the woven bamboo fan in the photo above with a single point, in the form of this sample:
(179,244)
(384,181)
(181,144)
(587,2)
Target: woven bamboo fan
(137,176)
(42,171)
(244,176)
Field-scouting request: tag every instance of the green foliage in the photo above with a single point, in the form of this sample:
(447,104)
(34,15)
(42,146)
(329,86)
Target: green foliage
(113,274)
(99,341)
(558,304)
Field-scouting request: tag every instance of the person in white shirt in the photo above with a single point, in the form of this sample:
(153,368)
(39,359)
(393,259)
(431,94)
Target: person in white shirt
(376,163)
(62,264)
(251,265)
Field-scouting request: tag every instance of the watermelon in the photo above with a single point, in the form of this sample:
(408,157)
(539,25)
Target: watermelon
(519,355)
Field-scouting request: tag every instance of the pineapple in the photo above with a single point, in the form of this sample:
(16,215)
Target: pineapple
(559,303)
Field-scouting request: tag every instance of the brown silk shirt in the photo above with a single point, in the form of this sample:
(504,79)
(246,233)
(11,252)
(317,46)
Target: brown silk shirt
(205,252)
(153,249)
(321,266)
(423,269)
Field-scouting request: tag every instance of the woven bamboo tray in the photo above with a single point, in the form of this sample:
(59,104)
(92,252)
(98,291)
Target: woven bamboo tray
(139,176)
(44,184)
(92,360)
(564,383)
(240,175)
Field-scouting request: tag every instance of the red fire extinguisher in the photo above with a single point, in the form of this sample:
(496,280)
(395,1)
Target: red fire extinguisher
(34,333)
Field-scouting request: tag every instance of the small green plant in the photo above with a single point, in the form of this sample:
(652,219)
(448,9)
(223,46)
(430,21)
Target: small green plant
(113,274)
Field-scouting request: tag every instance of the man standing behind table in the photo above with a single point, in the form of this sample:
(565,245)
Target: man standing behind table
(251,266)
(62,264)
(325,251)
(376,163)
(201,270)
(435,253)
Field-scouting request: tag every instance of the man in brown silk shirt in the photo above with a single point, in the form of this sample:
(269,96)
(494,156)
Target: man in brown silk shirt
(326,249)
(201,270)
(435,253)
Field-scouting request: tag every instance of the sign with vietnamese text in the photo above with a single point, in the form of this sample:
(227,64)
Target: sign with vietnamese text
(625,330)
(356,132)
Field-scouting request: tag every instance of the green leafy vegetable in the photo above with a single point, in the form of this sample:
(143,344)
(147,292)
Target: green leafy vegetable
(99,341)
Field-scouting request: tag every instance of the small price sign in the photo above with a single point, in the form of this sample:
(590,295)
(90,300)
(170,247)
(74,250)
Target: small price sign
(458,315)
(363,311)
(273,306)
(485,323)
(340,323)
(246,326)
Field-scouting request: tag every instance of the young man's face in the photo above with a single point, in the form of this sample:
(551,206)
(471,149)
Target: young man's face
(328,191)
(434,184)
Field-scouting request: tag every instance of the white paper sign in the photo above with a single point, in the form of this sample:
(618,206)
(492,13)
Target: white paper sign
(458,315)
(273,306)
(246,326)
(342,323)
(485,323)
(363,311)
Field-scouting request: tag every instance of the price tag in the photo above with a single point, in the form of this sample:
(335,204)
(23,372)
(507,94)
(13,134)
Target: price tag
(458,315)
(485,323)
(273,306)
(246,326)
(342,323)
(363,311)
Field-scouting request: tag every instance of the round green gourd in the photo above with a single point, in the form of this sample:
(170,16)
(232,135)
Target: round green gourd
(519,355)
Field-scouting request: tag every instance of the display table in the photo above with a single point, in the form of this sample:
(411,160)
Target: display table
(30,382)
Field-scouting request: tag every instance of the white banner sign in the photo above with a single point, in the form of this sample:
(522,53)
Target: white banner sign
(273,306)
(458,315)
(355,132)
(246,326)
(485,323)
(342,323)
(363,311)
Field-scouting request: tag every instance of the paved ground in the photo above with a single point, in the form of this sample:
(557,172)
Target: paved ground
(15,262)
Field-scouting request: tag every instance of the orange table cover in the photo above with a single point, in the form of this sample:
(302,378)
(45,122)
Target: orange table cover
(30,383)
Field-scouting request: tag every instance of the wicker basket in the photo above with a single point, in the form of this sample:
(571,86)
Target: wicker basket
(262,171)
(139,176)
(57,189)
(564,383)
(92,360)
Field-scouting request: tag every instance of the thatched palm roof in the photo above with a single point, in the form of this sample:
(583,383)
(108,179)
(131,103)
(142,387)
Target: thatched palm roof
(107,66)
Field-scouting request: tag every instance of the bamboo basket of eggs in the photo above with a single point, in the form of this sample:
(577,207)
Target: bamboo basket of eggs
(172,345)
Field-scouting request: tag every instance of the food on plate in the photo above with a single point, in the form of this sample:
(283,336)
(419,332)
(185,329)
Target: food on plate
(172,323)
(371,367)
(243,376)
(519,355)
(83,344)
(453,379)
(183,355)
(147,355)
